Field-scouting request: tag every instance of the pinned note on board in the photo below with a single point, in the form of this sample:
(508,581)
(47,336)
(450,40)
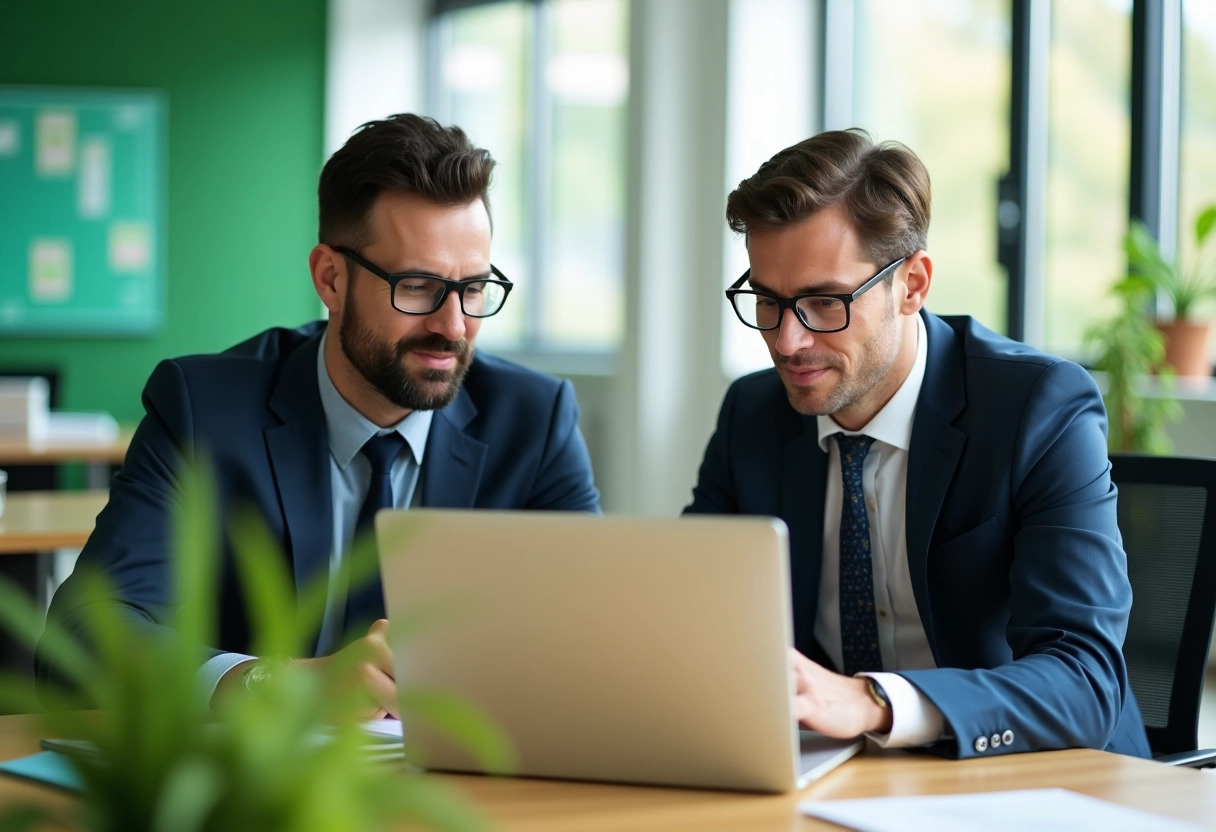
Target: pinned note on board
(82,191)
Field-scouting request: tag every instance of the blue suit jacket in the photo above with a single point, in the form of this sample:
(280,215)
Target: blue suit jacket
(510,440)
(1015,554)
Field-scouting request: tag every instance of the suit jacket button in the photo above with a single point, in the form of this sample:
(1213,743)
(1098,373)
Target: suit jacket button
(1007,737)
(995,742)
(981,744)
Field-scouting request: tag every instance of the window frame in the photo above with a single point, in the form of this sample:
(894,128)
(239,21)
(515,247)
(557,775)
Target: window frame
(532,348)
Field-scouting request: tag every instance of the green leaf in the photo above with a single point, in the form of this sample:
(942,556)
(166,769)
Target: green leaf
(22,619)
(195,563)
(25,817)
(188,796)
(362,561)
(291,758)
(435,806)
(269,595)
(1144,258)
(1204,224)
(1135,287)
(464,723)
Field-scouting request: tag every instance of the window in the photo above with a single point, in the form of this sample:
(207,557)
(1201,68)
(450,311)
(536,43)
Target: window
(770,108)
(1197,185)
(543,86)
(1089,135)
(948,100)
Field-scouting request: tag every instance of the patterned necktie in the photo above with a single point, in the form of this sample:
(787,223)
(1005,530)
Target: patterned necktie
(365,602)
(858,627)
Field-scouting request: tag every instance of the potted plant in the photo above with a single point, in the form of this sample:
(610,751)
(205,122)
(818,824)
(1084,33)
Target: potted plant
(156,756)
(1186,340)
(1128,349)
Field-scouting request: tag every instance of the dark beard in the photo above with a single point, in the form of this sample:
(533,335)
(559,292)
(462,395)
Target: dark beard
(383,365)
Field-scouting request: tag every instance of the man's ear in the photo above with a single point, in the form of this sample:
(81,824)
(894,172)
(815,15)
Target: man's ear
(329,276)
(913,287)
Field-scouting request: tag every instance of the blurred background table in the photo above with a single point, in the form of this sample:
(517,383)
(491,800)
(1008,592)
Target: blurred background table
(42,521)
(98,457)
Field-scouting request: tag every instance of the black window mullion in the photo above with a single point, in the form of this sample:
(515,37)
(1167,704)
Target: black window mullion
(1021,192)
(1156,59)
(442,7)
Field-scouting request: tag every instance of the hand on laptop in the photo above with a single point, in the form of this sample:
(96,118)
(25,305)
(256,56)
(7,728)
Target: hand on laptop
(835,705)
(367,662)
(372,662)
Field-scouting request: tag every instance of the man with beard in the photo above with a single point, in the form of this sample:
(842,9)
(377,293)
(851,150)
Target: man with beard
(957,575)
(384,404)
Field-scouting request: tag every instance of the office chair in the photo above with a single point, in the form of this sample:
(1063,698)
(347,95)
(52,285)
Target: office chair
(1167,515)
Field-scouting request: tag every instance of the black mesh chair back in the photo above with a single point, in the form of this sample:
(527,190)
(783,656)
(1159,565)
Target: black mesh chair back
(1167,515)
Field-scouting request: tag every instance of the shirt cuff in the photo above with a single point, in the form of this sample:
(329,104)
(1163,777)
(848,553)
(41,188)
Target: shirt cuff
(915,721)
(213,670)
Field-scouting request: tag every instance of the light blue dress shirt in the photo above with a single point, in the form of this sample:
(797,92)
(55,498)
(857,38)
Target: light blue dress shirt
(350,474)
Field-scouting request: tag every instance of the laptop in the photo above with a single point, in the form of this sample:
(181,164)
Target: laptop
(622,649)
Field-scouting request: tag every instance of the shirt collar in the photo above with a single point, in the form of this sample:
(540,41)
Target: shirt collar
(892,424)
(349,429)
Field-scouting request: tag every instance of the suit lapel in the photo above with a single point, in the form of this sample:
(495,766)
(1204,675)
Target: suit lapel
(451,470)
(804,480)
(299,459)
(936,448)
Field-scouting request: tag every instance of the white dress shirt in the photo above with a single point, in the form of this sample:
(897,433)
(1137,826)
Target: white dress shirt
(350,475)
(901,635)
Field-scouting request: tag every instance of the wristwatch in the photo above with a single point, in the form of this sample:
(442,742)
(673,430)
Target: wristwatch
(878,694)
(255,677)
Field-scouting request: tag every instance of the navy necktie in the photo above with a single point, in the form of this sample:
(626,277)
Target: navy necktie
(858,627)
(365,601)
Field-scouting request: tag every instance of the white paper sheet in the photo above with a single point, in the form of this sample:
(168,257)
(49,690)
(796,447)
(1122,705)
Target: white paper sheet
(1043,810)
(383,729)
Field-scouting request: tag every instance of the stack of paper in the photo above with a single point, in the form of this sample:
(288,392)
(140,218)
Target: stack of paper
(1056,809)
(23,407)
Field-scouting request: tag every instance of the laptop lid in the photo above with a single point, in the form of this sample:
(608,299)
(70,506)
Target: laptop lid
(625,649)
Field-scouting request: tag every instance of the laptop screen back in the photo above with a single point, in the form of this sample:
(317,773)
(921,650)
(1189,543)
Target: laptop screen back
(646,650)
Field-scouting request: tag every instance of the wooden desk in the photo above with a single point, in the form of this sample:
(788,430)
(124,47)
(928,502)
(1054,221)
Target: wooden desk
(23,452)
(550,806)
(42,521)
(546,806)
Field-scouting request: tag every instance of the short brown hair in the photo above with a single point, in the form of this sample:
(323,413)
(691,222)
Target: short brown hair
(403,152)
(883,188)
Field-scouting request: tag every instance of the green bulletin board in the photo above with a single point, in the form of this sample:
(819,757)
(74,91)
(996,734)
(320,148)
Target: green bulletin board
(81,211)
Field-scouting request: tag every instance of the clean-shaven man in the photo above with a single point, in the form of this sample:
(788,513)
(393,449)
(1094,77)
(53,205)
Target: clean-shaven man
(958,579)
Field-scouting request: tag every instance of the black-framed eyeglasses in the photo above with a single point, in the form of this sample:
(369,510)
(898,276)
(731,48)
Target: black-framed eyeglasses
(817,312)
(422,294)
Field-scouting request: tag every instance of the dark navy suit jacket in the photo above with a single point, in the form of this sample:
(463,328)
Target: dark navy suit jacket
(510,440)
(1015,554)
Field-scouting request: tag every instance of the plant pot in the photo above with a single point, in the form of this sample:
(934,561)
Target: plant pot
(1186,347)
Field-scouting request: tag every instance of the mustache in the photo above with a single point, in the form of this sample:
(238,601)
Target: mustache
(432,343)
(806,359)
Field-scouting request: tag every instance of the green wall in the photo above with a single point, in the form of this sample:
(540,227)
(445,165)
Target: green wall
(244,81)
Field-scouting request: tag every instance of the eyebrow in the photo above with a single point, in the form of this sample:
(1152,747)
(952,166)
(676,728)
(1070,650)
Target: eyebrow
(831,287)
(486,275)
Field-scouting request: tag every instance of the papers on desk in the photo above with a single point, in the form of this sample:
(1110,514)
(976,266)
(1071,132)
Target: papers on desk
(23,406)
(24,414)
(386,730)
(78,428)
(384,743)
(1055,809)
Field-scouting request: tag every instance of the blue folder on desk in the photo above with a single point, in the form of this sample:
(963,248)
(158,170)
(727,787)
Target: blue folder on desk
(48,768)
(53,766)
